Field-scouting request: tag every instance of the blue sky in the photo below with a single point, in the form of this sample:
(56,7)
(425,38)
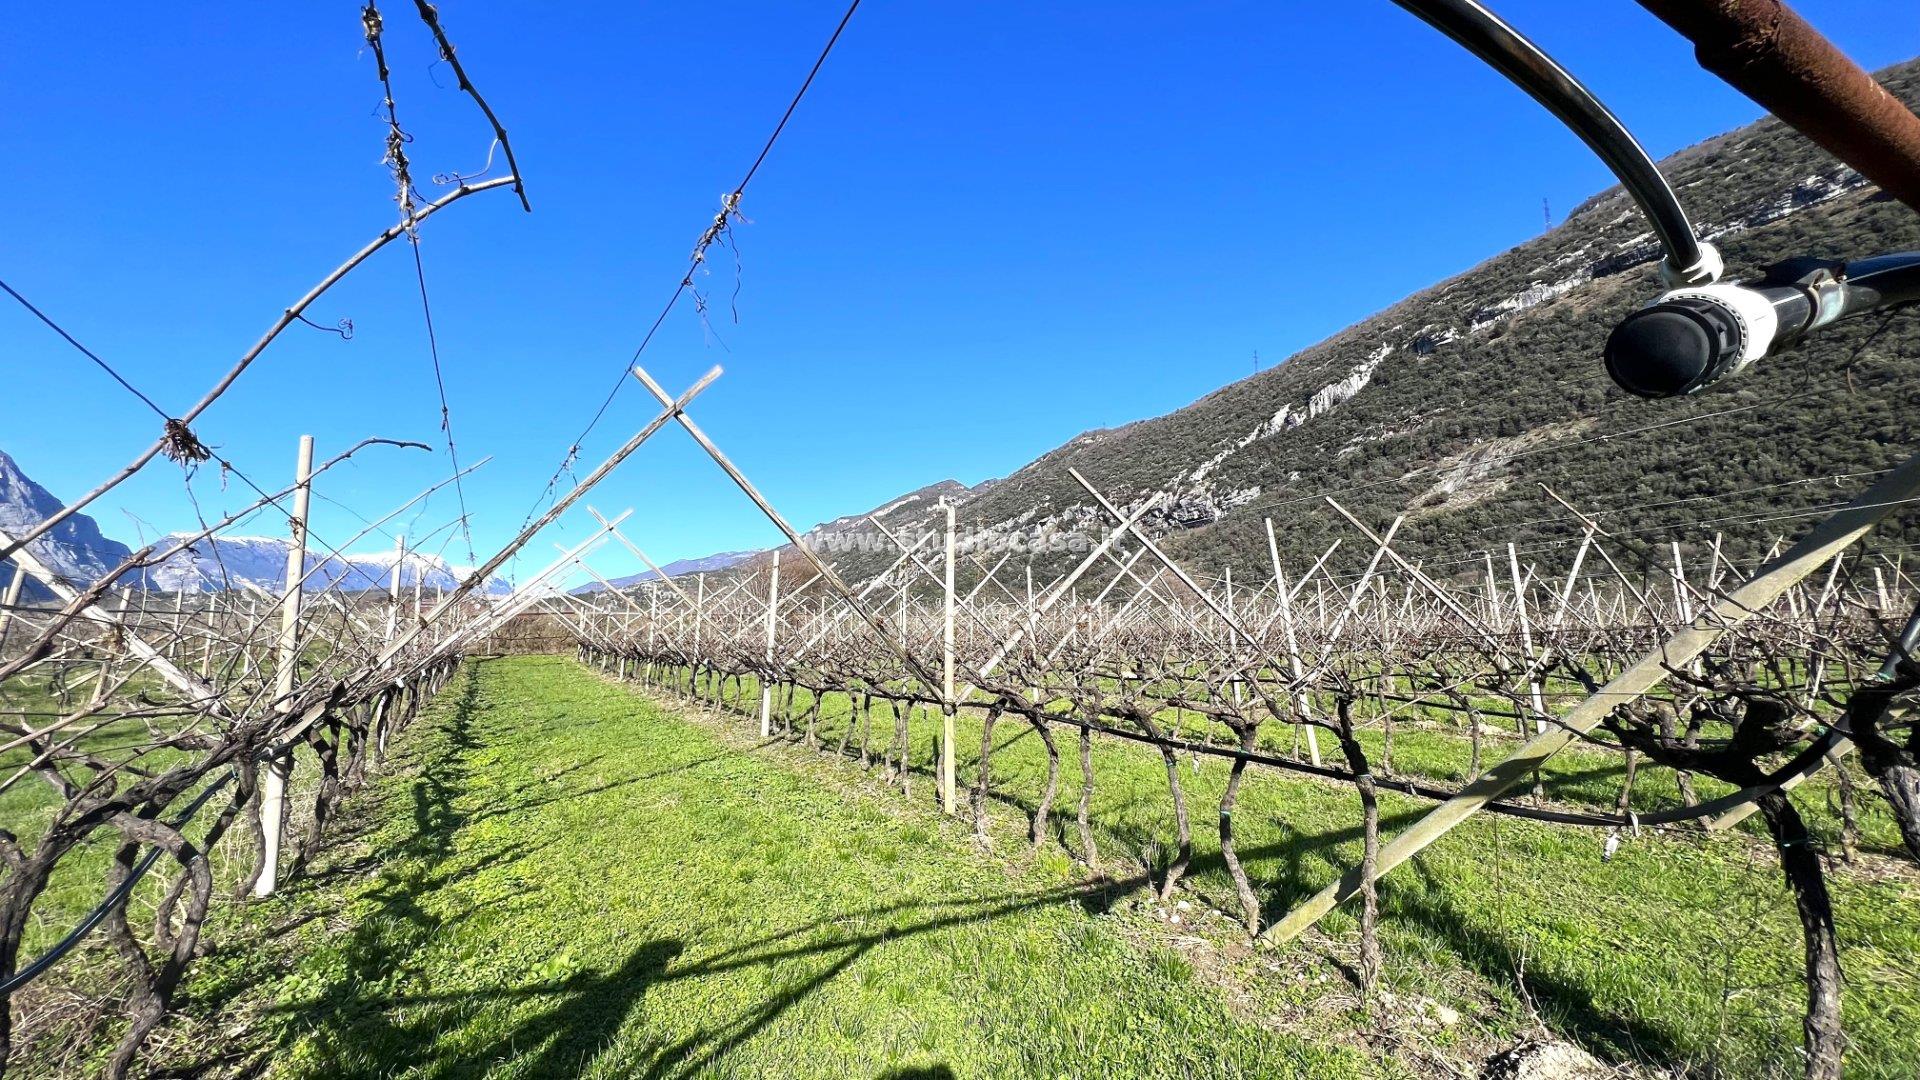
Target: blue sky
(990,227)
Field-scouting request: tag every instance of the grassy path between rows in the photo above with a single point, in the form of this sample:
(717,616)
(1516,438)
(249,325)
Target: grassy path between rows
(1680,955)
(558,878)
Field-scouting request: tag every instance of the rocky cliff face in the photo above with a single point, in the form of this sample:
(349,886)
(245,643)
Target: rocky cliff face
(75,549)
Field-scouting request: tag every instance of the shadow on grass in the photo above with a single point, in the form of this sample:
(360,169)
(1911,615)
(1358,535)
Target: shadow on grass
(367,1030)
(418,862)
(575,1027)
(370,1031)
(581,1018)
(1295,867)
(1568,1006)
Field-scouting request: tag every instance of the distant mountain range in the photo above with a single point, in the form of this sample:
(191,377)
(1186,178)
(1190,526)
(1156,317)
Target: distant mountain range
(706,564)
(233,562)
(78,551)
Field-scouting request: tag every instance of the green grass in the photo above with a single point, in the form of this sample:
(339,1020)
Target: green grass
(78,881)
(558,876)
(27,807)
(1682,952)
(60,1013)
(560,879)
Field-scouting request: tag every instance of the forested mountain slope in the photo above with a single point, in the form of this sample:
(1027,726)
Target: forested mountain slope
(1456,404)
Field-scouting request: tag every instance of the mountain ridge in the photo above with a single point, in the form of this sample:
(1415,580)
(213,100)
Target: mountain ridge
(78,551)
(719,560)
(1453,406)
(75,549)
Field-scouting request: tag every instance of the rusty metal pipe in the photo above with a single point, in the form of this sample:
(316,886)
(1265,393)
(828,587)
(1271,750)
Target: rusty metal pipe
(1765,50)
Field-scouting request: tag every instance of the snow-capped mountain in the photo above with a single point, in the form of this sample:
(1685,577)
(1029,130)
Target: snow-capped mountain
(430,572)
(234,562)
(706,564)
(75,549)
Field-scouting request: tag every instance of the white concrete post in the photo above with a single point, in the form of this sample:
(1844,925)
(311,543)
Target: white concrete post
(175,642)
(1300,698)
(699,608)
(653,633)
(1233,645)
(948,801)
(773,609)
(1536,692)
(393,585)
(273,788)
(12,599)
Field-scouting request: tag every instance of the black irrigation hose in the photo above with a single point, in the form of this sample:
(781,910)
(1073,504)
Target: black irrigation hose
(114,899)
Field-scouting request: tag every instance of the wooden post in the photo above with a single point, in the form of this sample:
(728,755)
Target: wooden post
(948,801)
(273,788)
(773,614)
